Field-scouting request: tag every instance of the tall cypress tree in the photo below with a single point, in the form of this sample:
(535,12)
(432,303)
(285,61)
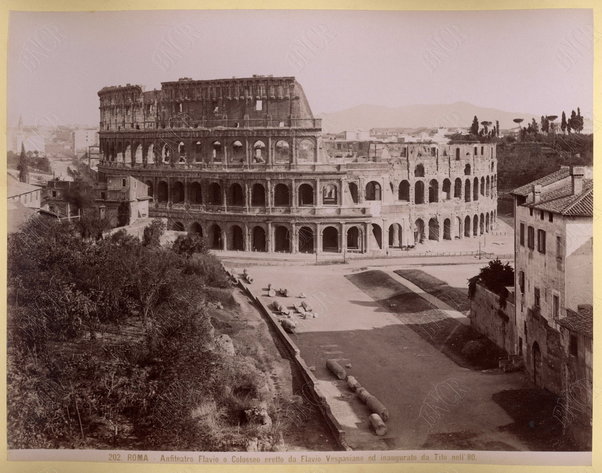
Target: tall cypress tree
(474,128)
(23,166)
(563,122)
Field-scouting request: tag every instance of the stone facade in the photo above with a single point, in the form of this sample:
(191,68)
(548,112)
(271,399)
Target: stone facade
(242,162)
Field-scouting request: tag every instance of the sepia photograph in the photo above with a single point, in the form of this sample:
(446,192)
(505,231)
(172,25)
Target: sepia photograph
(300,236)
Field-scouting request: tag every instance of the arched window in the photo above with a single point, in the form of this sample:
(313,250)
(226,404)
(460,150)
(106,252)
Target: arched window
(196,195)
(467,170)
(217,151)
(330,239)
(306,195)
(482,186)
(162,191)
(373,191)
(433,191)
(475,189)
(181,153)
(434,229)
(404,191)
(457,154)
(281,196)
(238,152)
(283,152)
(215,194)
(446,189)
(329,194)
(467,191)
(458,188)
(177,193)
(257,195)
(419,192)
(419,170)
(306,151)
(198,152)
(259,152)
(237,196)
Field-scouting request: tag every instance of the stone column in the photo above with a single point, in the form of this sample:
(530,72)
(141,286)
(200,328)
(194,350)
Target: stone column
(270,238)
(318,238)
(294,238)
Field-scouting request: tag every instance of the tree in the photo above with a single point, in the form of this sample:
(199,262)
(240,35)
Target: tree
(497,128)
(474,128)
(189,244)
(534,126)
(23,166)
(563,123)
(551,125)
(578,122)
(496,276)
(152,234)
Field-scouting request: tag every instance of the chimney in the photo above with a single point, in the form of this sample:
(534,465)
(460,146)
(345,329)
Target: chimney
(536,193)
(577,173)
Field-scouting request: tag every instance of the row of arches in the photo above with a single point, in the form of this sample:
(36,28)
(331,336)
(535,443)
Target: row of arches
(236,237)
(213,194)
(231,150)
(469,189)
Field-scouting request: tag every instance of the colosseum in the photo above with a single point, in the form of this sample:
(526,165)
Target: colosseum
(242,161)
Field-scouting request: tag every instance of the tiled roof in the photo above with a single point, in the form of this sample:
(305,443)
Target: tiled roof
(525,190)
(16,187)
(563,201)
(581,322)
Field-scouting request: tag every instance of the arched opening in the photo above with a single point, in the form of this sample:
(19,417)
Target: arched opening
(353,190)
(127,154)
(482,186)
(166,154)
(306,240)
(475,189)
(353,239)
(419,231)
(198,152)
(447,229)
(237,196)
(433,191)
(150,154)
(306,195)
(457,154)
(149,188)
(177,193)
(373,191)
(395,235)
(196,228)
(259,152)
(446,189)
(487,223)
(467,170)
(306,151)
(258,196)
(487,184)
(282,239)
(482,224)
(458,227)
(404,191)
(537,364)
(419,192)
(215,237)
(330,240)
(283,152)
(419,170)
(475,225)
(458,188)
(329,194)
(137,156)
(377,235)
(236,241)
(281,196)
(178,226)
(467,191)
(181,153)
(467,226)
(162,191)
(196,194)
(259,242)
(434,229)
(215,194)
(217,151)
(238,152)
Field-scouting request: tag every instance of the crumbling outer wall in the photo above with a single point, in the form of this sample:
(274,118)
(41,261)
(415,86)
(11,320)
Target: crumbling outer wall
(490,319)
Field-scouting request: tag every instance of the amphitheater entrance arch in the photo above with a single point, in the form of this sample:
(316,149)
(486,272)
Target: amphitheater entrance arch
(467,226)
(177,193)
(395,235)
(306,240)
(373,191)
(475,225)
(282,239)
(330,240)
(236,242)
(196,194)
(196,228)
(162,191)
(433,191)
(458,188)
(419,231)
(434,229)
(237,196)
(259,241)
(281,195)
(215,237)
(354,241)
(215,194)
(447,229)
(487,222)
(419,192)
(258,196)
(404,191)
(306,195)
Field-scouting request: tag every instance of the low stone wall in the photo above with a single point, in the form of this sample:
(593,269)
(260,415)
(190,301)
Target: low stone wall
(488,318)
(309,379)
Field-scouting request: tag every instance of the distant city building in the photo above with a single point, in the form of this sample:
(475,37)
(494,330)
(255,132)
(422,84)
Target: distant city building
(554,285)
(83,139)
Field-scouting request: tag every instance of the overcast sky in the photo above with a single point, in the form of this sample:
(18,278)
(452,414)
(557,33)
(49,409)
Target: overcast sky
(537,61)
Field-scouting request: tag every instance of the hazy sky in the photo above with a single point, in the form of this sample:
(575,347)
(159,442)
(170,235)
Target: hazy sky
(537,61)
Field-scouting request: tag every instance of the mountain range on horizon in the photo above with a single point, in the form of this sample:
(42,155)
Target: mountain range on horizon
(458,114)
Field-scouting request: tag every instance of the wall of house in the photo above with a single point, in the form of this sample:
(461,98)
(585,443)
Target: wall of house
(579,262)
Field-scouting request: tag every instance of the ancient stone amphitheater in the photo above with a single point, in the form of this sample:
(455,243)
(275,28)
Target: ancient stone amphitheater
(244,163)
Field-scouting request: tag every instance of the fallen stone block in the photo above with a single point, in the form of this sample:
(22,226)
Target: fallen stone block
(353,383)
(336,369)
(377,407)
(377,424)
